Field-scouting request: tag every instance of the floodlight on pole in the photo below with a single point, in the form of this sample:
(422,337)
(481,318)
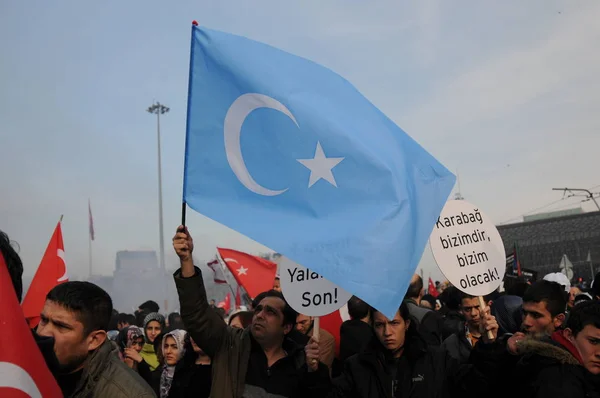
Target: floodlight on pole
(159,109)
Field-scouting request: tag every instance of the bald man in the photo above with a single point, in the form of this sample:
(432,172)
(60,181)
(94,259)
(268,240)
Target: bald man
(429,323)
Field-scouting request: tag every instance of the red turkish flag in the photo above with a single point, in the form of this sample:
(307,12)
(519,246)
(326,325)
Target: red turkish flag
(253,273)
(51,272)
(23,372)
(332,323)
(431,289)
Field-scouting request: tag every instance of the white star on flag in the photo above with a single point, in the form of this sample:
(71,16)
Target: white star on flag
(242,270)
(320,166)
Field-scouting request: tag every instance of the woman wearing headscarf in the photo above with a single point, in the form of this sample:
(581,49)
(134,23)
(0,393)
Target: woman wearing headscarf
(177,376)
(131,342)
(154,324)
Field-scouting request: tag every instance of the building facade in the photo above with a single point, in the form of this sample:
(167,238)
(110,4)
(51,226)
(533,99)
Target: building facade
(542,242)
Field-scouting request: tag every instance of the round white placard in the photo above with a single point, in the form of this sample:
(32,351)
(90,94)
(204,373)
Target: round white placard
(468,248)
(309,293)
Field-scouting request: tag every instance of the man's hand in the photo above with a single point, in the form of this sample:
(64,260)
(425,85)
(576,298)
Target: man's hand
(133,354)
(184,246)
(513,341)
(312,355)
(488,324)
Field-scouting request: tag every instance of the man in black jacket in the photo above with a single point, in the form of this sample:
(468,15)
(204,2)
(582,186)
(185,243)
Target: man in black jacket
(459,345)
(428,323)
(355,333)
(398,363)
(532,363)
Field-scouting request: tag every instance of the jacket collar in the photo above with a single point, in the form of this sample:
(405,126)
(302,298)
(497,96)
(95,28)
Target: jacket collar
(95,364)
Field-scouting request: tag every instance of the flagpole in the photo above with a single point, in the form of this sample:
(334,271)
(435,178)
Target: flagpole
(221,261)
(90,254)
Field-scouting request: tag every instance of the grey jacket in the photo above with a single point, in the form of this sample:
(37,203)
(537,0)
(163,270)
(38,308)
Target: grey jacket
(105,376)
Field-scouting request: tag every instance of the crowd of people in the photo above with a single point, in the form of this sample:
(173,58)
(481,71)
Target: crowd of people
(539,339)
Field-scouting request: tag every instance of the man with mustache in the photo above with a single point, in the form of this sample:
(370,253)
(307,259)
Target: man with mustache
(258,361)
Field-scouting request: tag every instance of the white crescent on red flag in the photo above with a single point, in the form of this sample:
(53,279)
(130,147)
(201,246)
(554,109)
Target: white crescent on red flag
(51,272)
(22,367)
(254,274)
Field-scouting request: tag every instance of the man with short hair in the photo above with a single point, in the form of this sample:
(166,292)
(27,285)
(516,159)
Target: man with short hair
(258,361)
(582,335)
(526,356)
(429,323)
(76,315)
(125,320)
(459,345)
(149,306)
(355,333)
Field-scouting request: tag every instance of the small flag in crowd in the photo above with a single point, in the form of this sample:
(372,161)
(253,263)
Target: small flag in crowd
(23,372)
(52,271)
(91,220)
(253,273)
(218,275)
(317,172)
(431,289)
(512,260)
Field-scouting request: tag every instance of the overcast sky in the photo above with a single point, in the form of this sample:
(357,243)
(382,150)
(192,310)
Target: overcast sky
(507,93)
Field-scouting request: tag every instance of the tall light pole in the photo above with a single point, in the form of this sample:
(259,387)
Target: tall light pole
(159,109)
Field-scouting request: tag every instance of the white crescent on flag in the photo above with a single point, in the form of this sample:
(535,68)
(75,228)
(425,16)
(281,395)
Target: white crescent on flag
(61,254)
(13,376)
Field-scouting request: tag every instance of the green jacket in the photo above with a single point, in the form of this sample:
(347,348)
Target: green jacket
(105,375)
(229,348)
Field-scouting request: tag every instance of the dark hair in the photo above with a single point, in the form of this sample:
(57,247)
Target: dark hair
(90,303)
(451,297)
(415,288)
(583,314)
(175,321)
(157,344)
(114,320)
(126,318)
(430,299)
(13,263)
(289,314)
(464,295)
(150,306)
(245,318)
(552,293)
(515,286)
(140,316)
(411,332)
(358,309)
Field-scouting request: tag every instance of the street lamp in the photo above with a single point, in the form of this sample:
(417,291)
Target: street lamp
(159,109)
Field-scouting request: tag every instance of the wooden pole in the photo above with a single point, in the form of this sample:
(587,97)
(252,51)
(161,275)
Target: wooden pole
(482,310)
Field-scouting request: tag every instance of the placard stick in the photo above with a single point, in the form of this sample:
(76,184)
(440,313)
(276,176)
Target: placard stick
(316,328)
(481,309)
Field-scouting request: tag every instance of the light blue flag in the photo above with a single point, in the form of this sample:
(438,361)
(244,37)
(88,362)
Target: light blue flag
(291,155)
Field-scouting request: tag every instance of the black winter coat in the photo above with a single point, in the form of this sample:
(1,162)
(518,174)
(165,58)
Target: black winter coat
(431,374)
(542,369)
(458,347)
